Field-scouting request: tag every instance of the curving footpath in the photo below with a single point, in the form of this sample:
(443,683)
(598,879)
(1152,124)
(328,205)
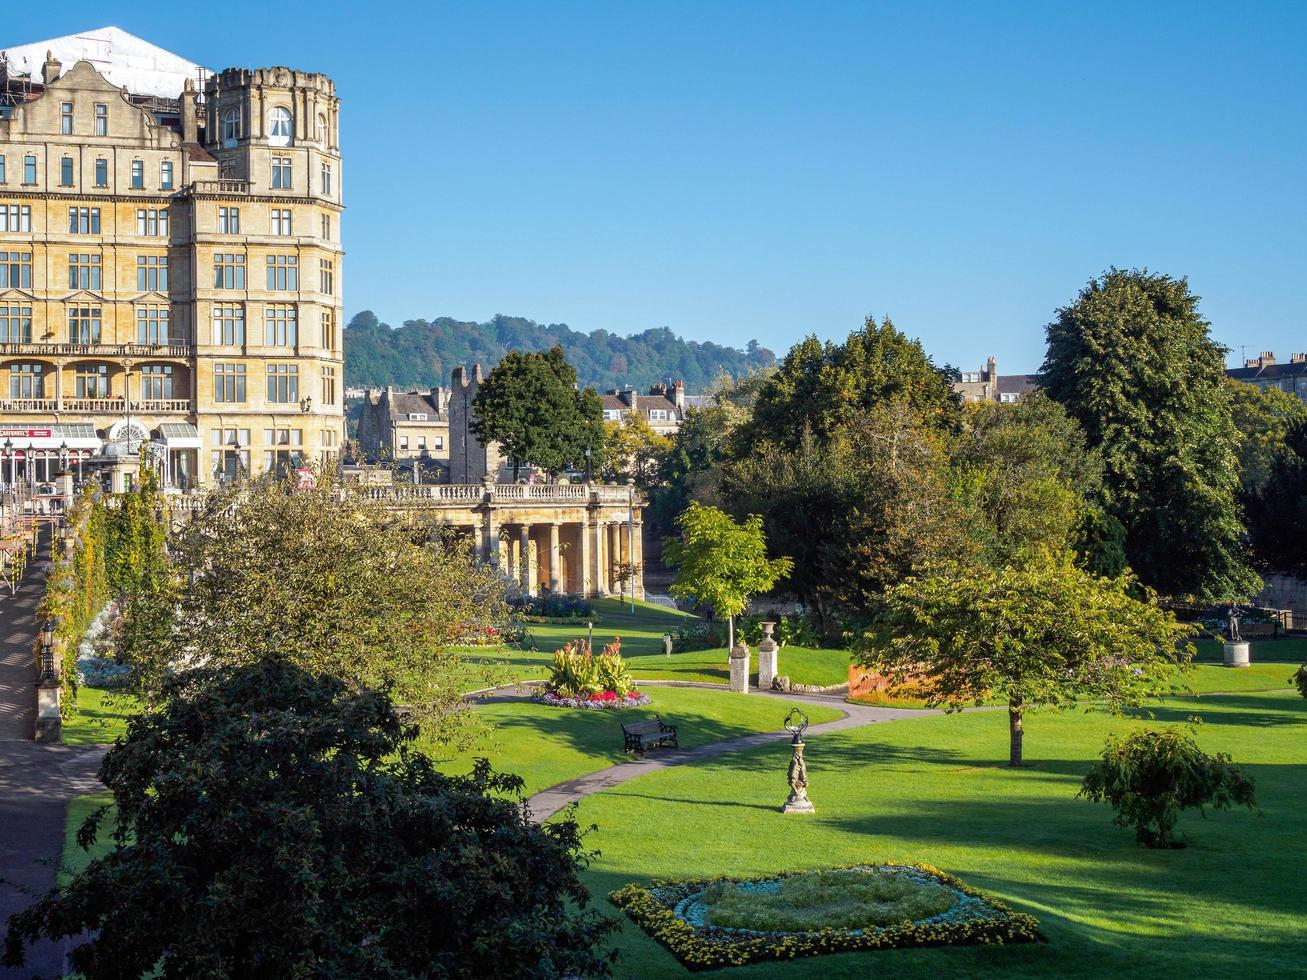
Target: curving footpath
(549,801)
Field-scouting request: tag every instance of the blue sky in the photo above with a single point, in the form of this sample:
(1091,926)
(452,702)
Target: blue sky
(763,170)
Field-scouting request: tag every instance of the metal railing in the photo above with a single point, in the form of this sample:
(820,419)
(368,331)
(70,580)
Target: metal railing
(100,350)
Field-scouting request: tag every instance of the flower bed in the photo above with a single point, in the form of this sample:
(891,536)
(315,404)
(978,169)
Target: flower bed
(603,699)
(704,922)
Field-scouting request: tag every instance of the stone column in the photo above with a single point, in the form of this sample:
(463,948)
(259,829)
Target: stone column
(601,558)
(637,559)
(526,570)
(490,543)
(740,669)
(585,581)
(555,556)
(614,554)
(766,658)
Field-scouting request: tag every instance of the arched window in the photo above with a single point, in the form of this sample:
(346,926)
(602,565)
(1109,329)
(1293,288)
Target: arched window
(231,127)
(279,127)
(322,129)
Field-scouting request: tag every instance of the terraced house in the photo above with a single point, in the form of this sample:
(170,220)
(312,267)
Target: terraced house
(170,261)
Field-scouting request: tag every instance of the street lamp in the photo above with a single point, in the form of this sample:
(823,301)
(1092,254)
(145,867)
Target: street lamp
(47,650)
(796,722)
(630,536)
(13,471)
(588,476)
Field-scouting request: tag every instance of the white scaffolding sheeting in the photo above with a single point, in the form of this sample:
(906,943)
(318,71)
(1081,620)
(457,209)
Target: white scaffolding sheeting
(122,58)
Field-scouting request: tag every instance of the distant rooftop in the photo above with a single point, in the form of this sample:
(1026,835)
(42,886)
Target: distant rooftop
(124,59)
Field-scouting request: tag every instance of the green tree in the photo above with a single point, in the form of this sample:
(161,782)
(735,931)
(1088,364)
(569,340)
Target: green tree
(821,388)
(856,513)
(275,823)
(1028,480)
(1041,633)
(1133,362)
(1277,511)
(1150,776)
(1263,417)
(721,562)
(633,449)
(340,585)
(531,405)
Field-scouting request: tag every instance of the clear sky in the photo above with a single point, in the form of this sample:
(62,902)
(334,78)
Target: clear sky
(765,170)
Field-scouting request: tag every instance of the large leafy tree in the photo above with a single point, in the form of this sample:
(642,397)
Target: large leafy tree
(857,512)
(1039,633)
(1133,362)
(1264,418)
(1028,480)
(721,562)
(633,449)
(271,822)
(338,584)
(1278,509)
(531,405)
(821,388)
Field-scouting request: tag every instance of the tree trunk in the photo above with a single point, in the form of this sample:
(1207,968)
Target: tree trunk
(1015,732)
(730,634)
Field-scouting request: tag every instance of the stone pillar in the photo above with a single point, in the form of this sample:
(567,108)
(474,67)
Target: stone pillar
(586,578)
(490,543)
(601,558)
(526,570)
(637,559)
(740,669)
(513,564)
(555,556)
(766,658)
(49,725)
(614,554)
(1236,654)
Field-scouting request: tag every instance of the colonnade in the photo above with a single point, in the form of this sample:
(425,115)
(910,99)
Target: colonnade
(595,558)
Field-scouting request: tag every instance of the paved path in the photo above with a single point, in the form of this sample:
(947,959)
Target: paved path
(548,802)
(17,637)
(36,781)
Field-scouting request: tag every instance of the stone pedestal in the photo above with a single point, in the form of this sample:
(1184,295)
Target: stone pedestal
(1236,654)
(49,726)
(667,644)
(740,669)
(766,658)
(798,801)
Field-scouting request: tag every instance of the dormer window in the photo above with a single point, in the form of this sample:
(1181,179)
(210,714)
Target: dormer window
(231,127)
(279,131)
(417,416)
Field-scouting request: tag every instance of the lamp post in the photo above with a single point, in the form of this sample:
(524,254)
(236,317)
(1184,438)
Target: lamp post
(796,722)
(630,536)
(588,475)
(47,650)
(9,451)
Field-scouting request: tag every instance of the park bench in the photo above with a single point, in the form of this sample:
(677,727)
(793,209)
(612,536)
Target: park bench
(647,734)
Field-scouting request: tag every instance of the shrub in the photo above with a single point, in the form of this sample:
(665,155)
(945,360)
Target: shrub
(553,606)
(1299,680)
(698,636)
(1150,776)
(276,823)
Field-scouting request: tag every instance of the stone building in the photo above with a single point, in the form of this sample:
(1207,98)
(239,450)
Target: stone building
(1264,372)
(170,260)
(469,460)
(407,428)
(664,407)
(987,385)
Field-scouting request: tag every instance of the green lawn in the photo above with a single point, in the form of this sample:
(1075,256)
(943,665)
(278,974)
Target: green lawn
(642,645)
(547,745)
(100,717)
(934,790)
(79,808)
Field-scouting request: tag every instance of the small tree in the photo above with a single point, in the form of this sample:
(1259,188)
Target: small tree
(274,823)
(531,406)
(1299,680)
(336,583)
(1150,776)
(721,562)
(1043,633)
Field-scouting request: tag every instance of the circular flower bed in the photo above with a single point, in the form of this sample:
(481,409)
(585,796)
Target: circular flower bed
(604,699)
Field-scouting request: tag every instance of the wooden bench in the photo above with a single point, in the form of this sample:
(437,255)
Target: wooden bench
(647,734)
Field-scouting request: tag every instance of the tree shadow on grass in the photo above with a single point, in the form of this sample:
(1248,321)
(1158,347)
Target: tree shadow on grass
(1228,709)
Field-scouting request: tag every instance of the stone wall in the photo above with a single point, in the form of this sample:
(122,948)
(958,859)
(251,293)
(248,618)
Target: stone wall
(1286,592)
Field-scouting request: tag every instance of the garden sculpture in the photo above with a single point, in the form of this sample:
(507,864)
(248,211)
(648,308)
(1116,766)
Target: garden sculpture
(795,723)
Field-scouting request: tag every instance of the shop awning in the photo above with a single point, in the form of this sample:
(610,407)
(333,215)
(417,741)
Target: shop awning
(56,435)
(179,435)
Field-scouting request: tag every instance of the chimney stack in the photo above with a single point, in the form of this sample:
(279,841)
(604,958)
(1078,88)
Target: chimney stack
(1298,358)
(678,394)
(50,71)
(991,369)
(190,119)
